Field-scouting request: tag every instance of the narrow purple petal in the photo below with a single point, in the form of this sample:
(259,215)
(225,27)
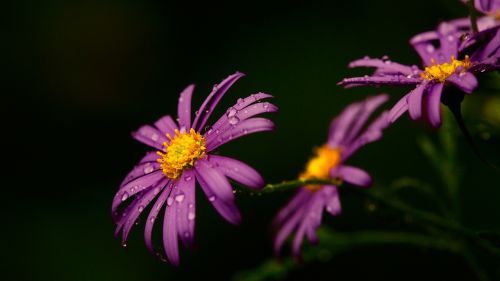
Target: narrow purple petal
(184,108)
(332,200)
(213,99)
(296,202)
(342,123)
(434,104)
(142,169)
(135,186)
(233,116)
(383,66)
(398,109)
(245,127)
(214,180)
(368,107)
(185,200)
(371,134)
(170,242)
(138,209)
(465,81)
(287,228)
(166,125)
(389,80)
(166,189)
(238,171)
(352,175)
(415,101)
(449,41)
(150,136)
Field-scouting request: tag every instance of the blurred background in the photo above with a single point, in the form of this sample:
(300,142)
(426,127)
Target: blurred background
(79,76)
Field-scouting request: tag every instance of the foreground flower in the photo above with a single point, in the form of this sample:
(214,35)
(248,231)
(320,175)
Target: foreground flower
(182,157)
(445,64)
(348,132)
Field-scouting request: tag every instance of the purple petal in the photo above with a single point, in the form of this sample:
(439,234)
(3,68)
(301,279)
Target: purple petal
(296,202)
(383,66)
(286,229)
(238,171)
(234,115)
(398,109)
(352,175)
(340,125)
(138,208)
(465,81)
(166,125)
(153,215)
(368,107)
(170,242)
(389,80)
(371,134)
(332,200)
(448,38)
(135,186)
(184,108)
(434,104)
(415,101)
(245,127)
(141,169)
(150,136)
(185,199)
(214,180)
(213,99)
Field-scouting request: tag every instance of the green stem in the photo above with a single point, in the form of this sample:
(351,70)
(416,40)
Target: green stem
(473,16)
(297,183)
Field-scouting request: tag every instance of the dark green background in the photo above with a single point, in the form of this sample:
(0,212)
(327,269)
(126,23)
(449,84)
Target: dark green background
(81,75)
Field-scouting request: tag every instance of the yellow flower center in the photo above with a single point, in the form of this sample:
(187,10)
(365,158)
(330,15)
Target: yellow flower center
(320,165)
(181,153)
(441,72)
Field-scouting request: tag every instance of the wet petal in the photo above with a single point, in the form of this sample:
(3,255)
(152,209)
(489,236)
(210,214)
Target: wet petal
(184,108)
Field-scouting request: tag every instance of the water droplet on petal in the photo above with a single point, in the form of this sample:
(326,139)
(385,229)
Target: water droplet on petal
(156,190)
(170,200)
(148,169)
(188,178)
(191,216)
(233,120)
(154,137)
(124,244)
(152,219)
(231,112)
(429,48)
(179,197)
(211,198)
(124,196)
(191,206)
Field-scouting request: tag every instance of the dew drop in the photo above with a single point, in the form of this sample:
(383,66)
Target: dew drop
(141,208)
(231,112)
(233,120)
(211,198)
(179,197)
(190,205)
(156,190)
(170,200)
(124,244)
(154,137)
(148,169)
(191,216)
(188,178)
(429,48)
(152,219)
(124,196)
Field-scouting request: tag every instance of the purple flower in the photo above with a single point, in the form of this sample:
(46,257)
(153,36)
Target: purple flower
(348,132)
(182,156)
(446,63)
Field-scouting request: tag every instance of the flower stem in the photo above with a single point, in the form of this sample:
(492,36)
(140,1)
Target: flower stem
(473,16)
(298,183)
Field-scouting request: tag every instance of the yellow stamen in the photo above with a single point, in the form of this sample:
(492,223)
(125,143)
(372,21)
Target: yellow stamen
(320,165)
(181,153)
(441,72)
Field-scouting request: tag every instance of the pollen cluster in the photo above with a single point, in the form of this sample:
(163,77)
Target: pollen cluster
(181,153)
(441,72)
(320,165)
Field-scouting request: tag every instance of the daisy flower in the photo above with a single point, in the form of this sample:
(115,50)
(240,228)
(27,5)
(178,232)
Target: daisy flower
(445,63)
(182,156)
(348,132)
